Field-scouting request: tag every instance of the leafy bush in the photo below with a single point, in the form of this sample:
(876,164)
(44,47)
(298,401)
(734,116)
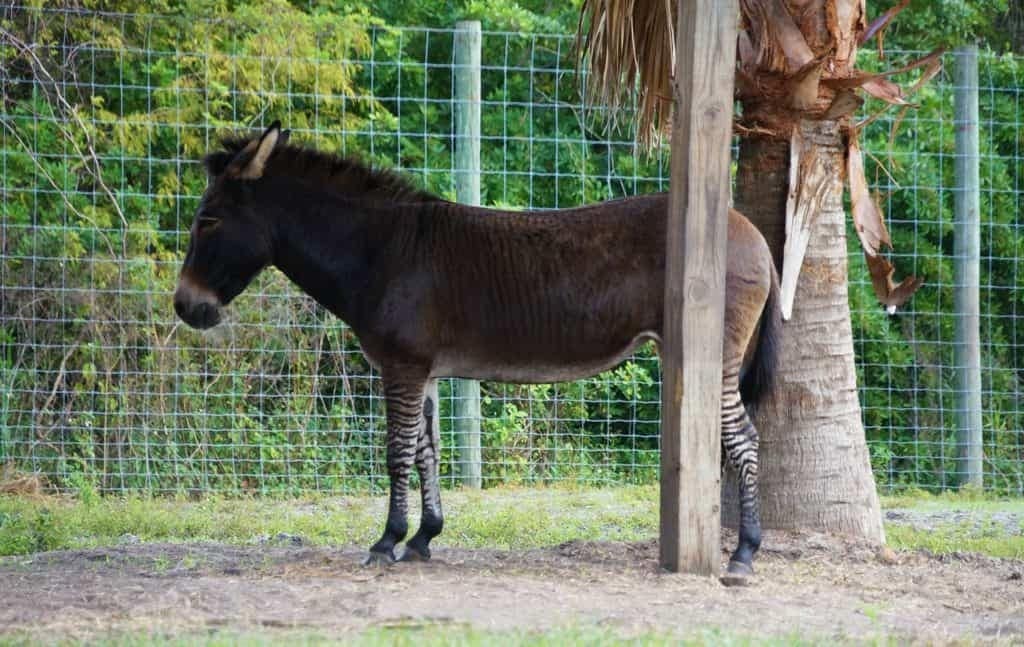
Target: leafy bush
(107,113)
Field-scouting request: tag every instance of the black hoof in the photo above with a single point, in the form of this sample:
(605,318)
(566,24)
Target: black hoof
(739,568)
(737,574)
(376,558)
(413,555)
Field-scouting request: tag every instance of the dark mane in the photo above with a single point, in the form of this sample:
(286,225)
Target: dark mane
(346,175)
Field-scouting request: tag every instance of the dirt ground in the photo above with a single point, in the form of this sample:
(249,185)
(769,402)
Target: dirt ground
(808,585)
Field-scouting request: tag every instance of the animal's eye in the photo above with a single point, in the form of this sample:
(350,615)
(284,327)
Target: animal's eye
(206,223)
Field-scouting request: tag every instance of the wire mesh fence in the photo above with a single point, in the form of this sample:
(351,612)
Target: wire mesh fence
(107,114)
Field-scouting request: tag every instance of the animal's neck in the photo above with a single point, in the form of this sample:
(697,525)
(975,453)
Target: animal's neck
(329,249)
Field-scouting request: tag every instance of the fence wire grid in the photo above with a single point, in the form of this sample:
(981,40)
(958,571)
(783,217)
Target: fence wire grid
(106,116)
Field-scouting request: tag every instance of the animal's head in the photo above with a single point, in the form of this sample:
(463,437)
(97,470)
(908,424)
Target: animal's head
(229,243)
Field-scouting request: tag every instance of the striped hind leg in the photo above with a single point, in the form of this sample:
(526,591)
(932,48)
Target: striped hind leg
(428,457)
(739,448)
(403,393)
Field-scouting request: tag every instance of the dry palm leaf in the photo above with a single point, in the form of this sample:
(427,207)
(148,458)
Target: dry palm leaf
(626,42)
(885,90)
(809,186)
(888,292)
(859,79)
(804,86)
(879,24)
(845,104)
(777,44)
(934,68)
(20,484)
(630,44)
(867,217)
(871,229)
(844,20)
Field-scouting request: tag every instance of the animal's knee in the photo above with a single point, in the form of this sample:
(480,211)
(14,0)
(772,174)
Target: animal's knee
(750,536)
(399,462)
(432,523)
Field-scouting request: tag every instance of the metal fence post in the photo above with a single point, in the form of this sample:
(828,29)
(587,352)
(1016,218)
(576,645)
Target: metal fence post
(967,249)
(466,405)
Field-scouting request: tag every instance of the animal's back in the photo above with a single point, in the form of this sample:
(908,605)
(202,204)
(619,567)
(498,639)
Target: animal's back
(533,297)
(539,296)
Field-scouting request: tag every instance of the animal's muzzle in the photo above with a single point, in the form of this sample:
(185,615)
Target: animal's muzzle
(196,304)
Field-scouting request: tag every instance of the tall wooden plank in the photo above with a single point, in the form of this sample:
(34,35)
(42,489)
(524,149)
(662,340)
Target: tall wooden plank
(466,393)
(695,285)
(967,247)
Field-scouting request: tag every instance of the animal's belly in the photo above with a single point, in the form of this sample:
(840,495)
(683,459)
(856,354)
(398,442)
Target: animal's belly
(529,368)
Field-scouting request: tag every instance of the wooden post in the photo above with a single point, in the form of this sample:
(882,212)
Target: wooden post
(466,393)
(967,249)
(695,286)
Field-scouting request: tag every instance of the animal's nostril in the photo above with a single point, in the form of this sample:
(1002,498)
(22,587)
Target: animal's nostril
(199,308)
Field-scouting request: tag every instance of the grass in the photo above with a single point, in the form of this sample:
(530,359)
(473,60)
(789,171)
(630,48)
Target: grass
(501,517)
(980,534)
(497,518)
(965,499)
(985,538)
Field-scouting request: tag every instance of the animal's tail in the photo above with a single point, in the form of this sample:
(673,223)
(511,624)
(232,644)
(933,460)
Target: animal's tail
(759,376)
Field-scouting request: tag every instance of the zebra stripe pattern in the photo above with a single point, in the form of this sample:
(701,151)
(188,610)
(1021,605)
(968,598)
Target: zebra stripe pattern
(740,449)
(428,458)
(411,439)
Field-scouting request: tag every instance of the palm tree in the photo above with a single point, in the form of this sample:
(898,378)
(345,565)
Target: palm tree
(798,88)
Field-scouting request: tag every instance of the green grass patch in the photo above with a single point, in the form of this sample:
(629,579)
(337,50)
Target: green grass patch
(964,499)
(987,538)
(980,531)
(505,518)
(497,518)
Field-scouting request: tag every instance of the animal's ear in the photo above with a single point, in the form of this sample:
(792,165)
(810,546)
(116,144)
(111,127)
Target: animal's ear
(251,160)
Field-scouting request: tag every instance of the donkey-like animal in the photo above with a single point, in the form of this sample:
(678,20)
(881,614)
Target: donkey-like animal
(435,289)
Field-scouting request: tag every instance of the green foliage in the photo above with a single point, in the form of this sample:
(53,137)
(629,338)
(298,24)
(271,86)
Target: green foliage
(27,528)
(526,16)
(102,391)
(101,185)
(907,363)
(943,23)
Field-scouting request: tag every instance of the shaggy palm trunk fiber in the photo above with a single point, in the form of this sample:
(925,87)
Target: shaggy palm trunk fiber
(815,471)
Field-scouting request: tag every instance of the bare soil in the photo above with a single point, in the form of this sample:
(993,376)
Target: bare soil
(808,585)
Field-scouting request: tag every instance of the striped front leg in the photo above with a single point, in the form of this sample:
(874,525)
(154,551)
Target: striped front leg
(404,391)
(428,458)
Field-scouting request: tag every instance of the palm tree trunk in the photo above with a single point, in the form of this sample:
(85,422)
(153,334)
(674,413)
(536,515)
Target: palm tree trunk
(797,83)
(815,469)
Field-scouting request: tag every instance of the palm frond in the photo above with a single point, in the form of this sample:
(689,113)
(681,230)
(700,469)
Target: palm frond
(628,49)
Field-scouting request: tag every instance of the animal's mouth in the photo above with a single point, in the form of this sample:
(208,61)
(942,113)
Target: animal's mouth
(200,315)
(196,304)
